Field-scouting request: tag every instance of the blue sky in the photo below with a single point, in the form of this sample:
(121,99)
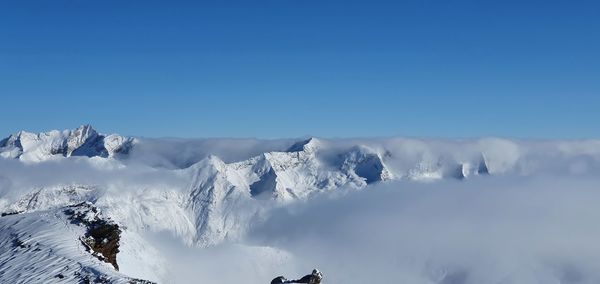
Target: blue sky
(289,68)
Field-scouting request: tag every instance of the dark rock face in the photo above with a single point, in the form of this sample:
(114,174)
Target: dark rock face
(103,239)
(102,236)
(22,240)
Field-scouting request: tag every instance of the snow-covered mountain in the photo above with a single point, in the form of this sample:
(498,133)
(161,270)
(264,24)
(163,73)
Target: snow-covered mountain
(218,189)
(83,141)
(321,162)
(209,192)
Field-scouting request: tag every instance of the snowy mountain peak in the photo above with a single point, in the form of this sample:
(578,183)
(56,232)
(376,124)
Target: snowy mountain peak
(79,137)
(83,141)
(219,189)
(11,146)
(308,145)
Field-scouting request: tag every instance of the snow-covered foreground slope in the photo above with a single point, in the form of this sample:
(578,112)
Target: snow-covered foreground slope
(50,246)
(249,201)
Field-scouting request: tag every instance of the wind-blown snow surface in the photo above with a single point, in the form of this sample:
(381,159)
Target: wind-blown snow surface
(362,210)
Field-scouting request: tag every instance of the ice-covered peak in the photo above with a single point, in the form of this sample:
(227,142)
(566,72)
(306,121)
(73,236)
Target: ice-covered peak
(211,162)
(83,141)
(79,137)
(11,146)
(218,188)
(309,145)
(13,139)
(84,131)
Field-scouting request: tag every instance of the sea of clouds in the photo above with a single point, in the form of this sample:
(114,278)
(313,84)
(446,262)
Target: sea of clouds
(539,229)
(534,221)
(492,230)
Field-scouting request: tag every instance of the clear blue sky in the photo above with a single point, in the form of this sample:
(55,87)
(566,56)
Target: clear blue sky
(288,68)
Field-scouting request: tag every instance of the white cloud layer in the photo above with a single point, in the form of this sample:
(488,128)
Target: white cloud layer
(486,230)
(493,230)
(533,221)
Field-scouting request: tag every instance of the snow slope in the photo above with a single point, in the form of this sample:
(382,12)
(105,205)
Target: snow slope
(45,247)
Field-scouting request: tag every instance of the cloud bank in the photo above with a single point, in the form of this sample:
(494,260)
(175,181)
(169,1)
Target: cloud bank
(496,230)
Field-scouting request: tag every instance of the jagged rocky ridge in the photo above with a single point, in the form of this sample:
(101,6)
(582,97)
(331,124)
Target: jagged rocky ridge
(83,141)
(102,235)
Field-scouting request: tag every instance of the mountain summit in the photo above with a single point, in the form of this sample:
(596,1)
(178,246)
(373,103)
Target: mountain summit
(83,141)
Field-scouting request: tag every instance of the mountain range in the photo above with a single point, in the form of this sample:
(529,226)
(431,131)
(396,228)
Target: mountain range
(208,191)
